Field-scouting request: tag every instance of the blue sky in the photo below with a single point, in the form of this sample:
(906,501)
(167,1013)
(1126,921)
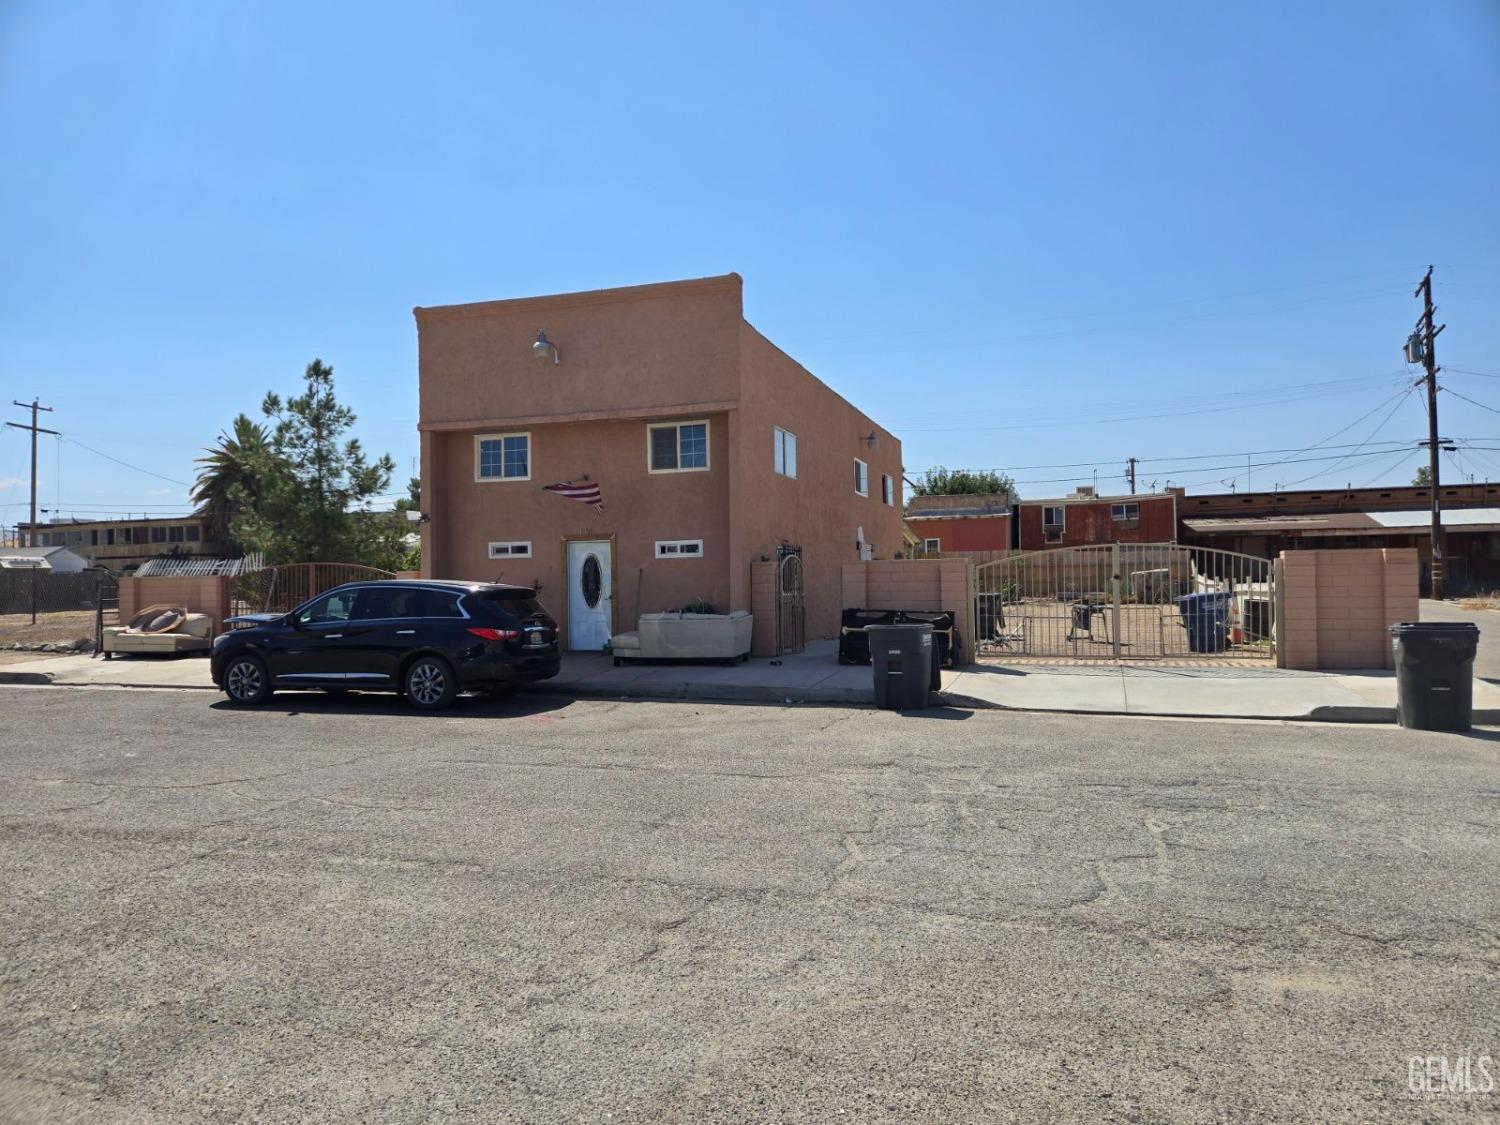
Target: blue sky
(1019,235)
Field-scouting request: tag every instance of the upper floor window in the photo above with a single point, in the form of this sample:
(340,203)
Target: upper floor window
(502,457)
(194,533)
(786,453)
(679,548)
(677,447)
(1124,511)
(861,477)
(1053,516)
(175,534)
(888,489)
(158,534)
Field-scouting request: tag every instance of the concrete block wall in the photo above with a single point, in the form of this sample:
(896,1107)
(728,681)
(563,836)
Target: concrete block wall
(1336,606)
(927,584)
(763,607)
(197,595)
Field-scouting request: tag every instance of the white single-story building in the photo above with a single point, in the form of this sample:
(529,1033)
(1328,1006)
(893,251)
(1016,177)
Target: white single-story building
(58,560)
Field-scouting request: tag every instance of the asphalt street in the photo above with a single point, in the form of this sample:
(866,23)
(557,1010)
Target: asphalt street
(550,911)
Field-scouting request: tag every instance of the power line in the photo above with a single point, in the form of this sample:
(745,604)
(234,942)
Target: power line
(1469,400)
(1383,422)
(123,464)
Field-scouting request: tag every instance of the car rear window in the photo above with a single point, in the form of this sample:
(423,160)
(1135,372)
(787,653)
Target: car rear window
(435,603)
(521,603)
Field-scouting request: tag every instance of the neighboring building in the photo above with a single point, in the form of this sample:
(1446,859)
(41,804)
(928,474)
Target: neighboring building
(952,524)
(711,447)
(123,544)
(1266,523)
(1085,519)
(60,560)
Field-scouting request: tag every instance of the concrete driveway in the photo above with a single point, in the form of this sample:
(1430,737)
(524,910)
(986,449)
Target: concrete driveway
(590,911)
(1487,661)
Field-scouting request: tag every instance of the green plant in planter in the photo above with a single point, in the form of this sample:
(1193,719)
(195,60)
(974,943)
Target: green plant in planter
(699,606)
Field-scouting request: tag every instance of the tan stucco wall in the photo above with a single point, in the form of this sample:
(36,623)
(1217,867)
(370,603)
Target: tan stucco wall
(631,349)
(639,508)
(819,510)
(680,350)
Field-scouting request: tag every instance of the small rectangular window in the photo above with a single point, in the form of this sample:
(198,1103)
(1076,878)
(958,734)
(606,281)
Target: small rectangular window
(175,534)
(861,477)
(1124,511)
(194,533)
(888,489)
(520,549)
(679,548)
(677,447)
(932,546)
(786,453)
(109,537)
(1052,516)
(158,535)
(502,457)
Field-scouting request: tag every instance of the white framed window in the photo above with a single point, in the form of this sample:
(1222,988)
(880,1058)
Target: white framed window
(786,453)
(502,457)
(932,546)
(861,477)
(1054,516)
(516,549)
(888,489)
(679,548)
(677,447)
(1124,511)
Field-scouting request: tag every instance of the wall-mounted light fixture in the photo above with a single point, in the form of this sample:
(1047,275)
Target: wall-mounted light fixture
(545,347)
(872,439)
(414,516)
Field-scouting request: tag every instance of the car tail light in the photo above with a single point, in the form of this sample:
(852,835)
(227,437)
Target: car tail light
(495,634)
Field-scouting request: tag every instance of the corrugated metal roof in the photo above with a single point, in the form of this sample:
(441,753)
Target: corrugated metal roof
(197,566)
(1348,523)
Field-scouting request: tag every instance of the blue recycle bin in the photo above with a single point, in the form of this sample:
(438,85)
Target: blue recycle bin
(1206,618)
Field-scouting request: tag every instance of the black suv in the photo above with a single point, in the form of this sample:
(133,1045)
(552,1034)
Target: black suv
(428,640)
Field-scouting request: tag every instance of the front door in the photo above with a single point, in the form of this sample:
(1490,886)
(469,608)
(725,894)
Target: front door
(589,594)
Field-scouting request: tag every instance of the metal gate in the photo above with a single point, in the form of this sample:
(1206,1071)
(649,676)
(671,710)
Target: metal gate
(791,617)
(281,589)
(1126,601)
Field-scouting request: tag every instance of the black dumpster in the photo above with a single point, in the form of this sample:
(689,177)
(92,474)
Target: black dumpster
(902,655)
(1435,674)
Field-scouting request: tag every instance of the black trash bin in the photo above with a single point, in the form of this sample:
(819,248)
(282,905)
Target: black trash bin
(1435,674)
(902,655)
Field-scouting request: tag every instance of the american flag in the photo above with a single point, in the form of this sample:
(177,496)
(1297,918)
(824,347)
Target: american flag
(583,493)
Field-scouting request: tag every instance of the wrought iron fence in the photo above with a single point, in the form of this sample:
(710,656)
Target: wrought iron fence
(281,589)
(1126,600)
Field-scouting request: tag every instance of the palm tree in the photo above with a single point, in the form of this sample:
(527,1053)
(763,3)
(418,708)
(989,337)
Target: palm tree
(231,473)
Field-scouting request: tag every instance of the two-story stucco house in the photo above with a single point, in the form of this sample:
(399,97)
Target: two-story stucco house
(710,448)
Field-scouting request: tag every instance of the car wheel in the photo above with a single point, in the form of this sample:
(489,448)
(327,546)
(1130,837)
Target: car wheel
(430,684)
(246,681)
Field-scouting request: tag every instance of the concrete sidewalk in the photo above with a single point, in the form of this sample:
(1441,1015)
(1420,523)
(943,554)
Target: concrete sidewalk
(815,676)
(1214,693)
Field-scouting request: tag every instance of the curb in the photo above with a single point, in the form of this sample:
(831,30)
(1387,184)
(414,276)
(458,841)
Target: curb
(1482,717)
(710,693)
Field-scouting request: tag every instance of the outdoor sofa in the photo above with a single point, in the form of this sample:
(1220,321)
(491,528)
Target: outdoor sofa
(685,636)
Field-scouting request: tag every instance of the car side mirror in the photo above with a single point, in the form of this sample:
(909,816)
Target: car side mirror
(294,621)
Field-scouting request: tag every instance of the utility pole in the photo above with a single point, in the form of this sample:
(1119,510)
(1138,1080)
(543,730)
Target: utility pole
(1428,336)
(33,406)
(1130,472)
